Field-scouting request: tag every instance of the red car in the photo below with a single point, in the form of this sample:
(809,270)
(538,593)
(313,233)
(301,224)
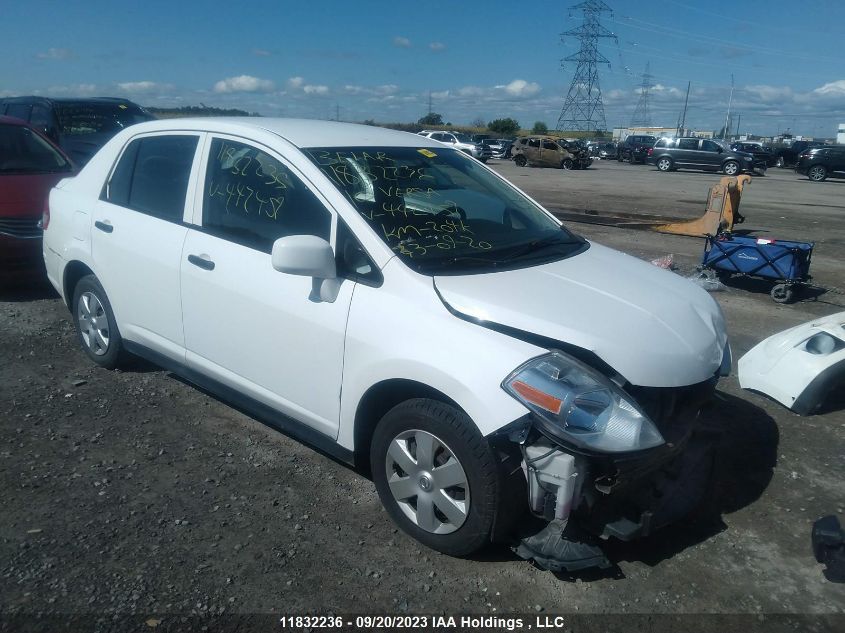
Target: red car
(30,165)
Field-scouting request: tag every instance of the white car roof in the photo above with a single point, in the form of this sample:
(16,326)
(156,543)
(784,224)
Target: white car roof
(300,132)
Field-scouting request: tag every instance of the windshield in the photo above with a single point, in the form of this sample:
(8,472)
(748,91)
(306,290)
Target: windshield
(443,212)
(22,151)
(99,118)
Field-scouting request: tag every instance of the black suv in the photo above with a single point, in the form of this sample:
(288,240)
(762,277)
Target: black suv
(788,155)
(635,148)
(760,151)
(818,163)
(701,153)
(79,126)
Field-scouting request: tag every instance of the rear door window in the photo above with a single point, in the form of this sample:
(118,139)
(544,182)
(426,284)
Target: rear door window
(251,198)
(688,143)
(152,176)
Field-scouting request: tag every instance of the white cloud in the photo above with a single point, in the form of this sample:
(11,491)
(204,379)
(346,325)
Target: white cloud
(296,82)
(471,91)
(260,52)
(315,90)
(55,53)
(386,89)
(521,88)
(401,42)
(144,87)
(243,83)
(832,88)
(75,90)
(437,46)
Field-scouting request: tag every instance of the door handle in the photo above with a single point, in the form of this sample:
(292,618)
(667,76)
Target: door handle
(201,261)
(105,227)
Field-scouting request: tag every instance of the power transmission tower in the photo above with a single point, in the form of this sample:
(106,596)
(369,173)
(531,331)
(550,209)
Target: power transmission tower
(642,116)
(583,108)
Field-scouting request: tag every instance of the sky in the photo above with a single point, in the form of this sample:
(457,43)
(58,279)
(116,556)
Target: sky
(478,59)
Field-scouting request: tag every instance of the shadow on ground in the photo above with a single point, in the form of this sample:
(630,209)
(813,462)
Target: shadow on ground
(744,461)
(24,292)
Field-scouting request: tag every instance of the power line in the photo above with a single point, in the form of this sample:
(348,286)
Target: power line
(642,116)
(583,108)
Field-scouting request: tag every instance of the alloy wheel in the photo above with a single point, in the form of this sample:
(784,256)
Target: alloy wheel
(817,173)
(93,323)
(427,481)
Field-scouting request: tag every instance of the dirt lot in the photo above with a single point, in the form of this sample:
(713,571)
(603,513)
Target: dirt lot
(132,492)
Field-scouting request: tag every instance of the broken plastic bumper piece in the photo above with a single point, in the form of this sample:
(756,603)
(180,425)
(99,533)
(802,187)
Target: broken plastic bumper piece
(798,367)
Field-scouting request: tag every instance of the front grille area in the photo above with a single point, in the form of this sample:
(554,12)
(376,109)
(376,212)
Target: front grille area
(673,409)
(21,228)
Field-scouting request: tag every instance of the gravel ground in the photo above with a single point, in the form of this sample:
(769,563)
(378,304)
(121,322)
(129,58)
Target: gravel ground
(130,492)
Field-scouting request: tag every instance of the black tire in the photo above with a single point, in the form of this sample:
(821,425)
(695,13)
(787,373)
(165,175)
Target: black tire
(731,168)
(110,355)
(457,433)
(782,293)
(817,173)
(520,160)
(567,164)
(664,164)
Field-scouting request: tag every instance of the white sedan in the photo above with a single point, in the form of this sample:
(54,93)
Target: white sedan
(402,307)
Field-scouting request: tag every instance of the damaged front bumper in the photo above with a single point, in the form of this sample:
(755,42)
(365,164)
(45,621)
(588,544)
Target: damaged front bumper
(587,496)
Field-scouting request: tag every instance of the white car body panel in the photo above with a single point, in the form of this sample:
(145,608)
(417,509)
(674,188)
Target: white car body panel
(248,320)
(652,326)
(782,368)
(402,330)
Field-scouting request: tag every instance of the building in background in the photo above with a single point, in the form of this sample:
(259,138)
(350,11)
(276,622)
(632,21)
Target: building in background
(840,136)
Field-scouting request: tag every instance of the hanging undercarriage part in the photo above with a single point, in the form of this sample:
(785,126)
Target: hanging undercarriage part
(721,214)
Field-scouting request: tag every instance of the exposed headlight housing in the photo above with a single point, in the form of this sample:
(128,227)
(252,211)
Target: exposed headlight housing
(578,405)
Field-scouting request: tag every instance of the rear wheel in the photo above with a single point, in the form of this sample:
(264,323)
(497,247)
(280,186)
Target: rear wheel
(782,293)
(436,475)
(520,160)
(96,328)
(664,164)
(731,168)
(817,173)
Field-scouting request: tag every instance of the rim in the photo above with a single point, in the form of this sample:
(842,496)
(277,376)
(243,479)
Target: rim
(93,323)
(816,173)
(731,169)
(663,165)
(567,163)
(427,482)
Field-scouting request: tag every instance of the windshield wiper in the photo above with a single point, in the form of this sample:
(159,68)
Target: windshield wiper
(534,246)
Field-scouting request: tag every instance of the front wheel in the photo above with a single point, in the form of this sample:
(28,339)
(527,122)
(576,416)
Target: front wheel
(520,160)
(436,475)
(731,168)
(567,163)
(664,164)
(96,328)
(817,173)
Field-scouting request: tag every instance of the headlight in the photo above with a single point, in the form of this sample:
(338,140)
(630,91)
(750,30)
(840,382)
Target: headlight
(579,405)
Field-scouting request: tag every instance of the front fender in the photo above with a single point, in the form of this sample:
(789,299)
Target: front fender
(403,331)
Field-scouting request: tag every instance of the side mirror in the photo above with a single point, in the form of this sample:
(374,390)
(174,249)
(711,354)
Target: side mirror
(305,255)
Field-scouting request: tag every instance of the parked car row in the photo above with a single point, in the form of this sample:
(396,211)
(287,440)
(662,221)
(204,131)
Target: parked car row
(460,141)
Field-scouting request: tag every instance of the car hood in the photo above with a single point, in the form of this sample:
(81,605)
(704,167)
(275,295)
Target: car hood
(24,194)
(652,326)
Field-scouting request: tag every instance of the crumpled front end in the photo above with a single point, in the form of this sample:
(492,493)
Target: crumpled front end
(588,495)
